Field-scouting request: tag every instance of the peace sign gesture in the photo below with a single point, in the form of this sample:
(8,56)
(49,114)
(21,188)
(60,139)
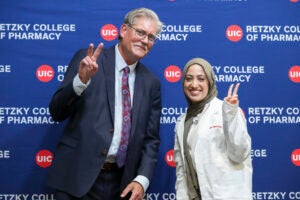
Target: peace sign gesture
(88,65)
(232,97)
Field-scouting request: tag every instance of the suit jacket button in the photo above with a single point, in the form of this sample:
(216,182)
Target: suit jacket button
(104,151)
(111,130)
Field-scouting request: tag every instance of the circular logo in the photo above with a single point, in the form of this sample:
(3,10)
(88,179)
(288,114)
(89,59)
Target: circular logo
(44,158)
(294,74)
(109,32)
(295,157)
(172,73)
(234,33)
(169,158)
(44,73)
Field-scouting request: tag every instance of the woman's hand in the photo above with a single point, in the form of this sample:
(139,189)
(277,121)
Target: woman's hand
(232,97)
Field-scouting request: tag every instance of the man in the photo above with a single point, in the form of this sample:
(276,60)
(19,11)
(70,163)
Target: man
(88,163)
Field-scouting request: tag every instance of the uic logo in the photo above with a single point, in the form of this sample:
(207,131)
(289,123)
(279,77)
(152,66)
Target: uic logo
(169,158)
(234,33)
(45,73)
(109,32)
(172,73)
(44,158)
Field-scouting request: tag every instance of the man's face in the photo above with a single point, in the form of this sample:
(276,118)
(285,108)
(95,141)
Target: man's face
(136,43)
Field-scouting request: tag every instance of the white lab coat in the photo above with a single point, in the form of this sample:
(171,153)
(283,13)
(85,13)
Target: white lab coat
(221,153)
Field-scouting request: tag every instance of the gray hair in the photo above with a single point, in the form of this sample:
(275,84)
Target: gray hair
(143,12)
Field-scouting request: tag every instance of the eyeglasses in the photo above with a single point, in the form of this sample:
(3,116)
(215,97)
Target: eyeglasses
(143,34)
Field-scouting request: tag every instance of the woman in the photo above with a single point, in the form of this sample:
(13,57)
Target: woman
(212,144)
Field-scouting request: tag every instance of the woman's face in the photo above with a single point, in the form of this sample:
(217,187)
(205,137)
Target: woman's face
(195,83)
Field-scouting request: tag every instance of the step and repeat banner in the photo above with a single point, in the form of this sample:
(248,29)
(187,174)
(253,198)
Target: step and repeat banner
(256,43)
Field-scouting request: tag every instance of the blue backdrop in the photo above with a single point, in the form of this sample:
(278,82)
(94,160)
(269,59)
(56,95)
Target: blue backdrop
(256,43)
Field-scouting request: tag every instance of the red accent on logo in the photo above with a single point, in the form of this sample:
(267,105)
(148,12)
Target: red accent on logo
(109,32)
(172,73)
(294,1)
(169,158)
(295,157)
(216,126)
(44,73)
(294,74)
(44,158)
(244,113)
(234,33)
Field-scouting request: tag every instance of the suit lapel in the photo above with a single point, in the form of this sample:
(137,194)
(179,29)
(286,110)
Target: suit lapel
(138,96)
(109,71)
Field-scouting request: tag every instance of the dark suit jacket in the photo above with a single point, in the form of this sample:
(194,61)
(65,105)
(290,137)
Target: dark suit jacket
(84,144)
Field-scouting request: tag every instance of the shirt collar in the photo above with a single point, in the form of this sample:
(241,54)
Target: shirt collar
(120,62)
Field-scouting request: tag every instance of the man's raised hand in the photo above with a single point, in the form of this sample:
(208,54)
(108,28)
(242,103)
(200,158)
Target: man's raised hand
(88,65)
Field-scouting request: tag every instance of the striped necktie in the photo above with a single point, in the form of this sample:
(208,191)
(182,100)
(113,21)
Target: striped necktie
(126,118)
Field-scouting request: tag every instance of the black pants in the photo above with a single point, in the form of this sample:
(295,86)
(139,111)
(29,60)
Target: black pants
(106,187)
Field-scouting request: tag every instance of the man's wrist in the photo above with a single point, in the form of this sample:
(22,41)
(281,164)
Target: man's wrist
(144,181)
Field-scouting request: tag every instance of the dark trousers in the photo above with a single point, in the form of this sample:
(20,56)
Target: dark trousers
(106,187)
